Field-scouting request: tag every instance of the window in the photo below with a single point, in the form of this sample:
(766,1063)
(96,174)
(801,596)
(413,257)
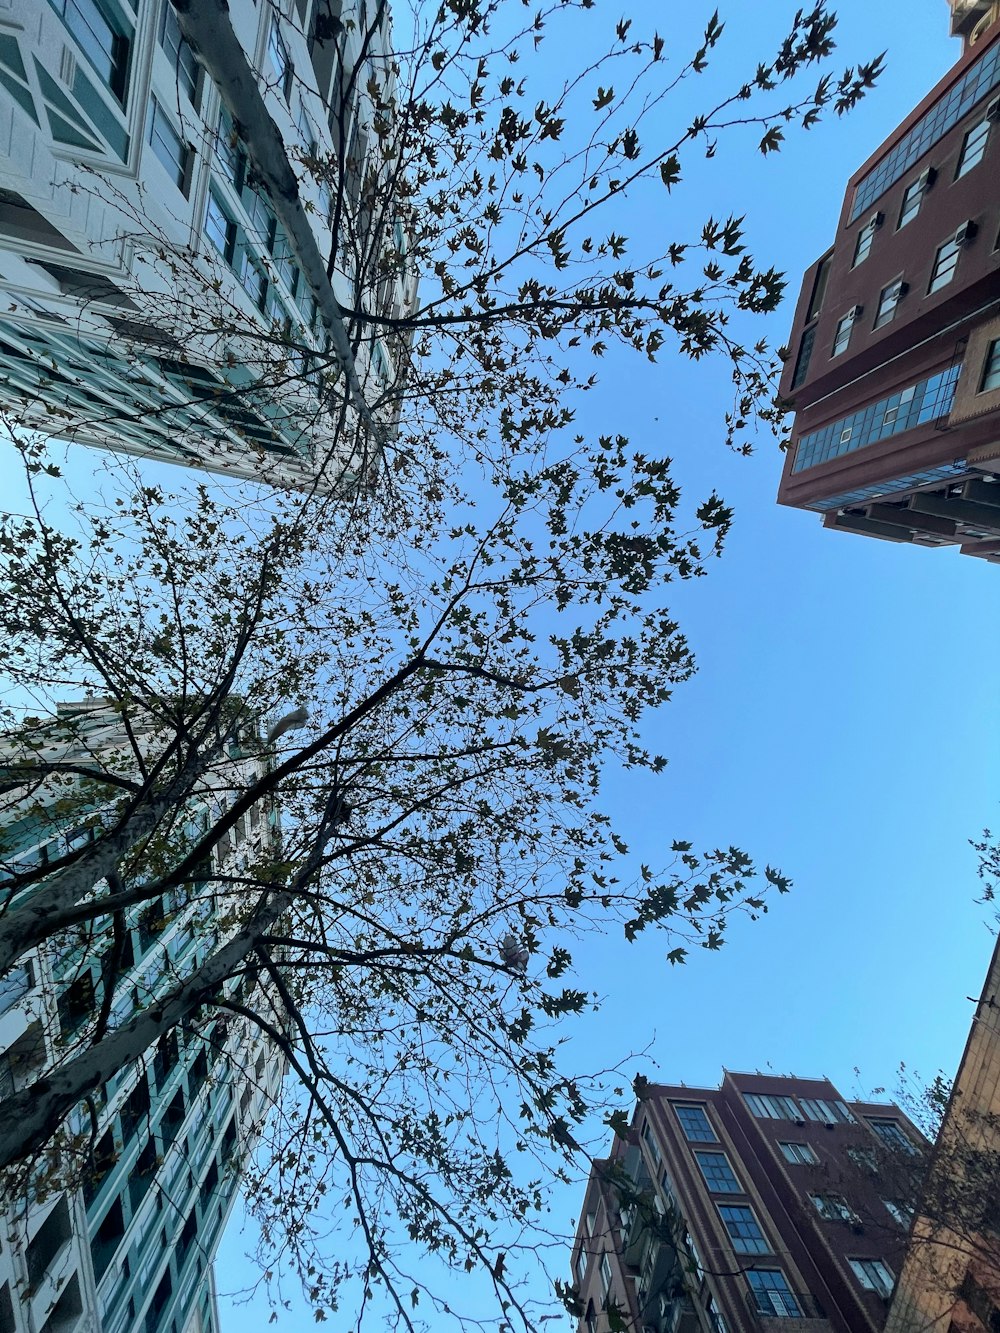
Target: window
(648,1137)
(605,1275)
(980,78)
(866,235)
(771,1293)
(281,61)
(864,1158)
(814,1108)
(590,1222)
(220,229)
(76,1004)
(694,1123)
(281,253)
(718,1173)
(179,53)
(715,1317)
(692,1249)
(228,153)
(819,286)
(842,336)
(765,1107)
(913,197)
(928,400)
(833,1208)
(973,148)
(102,39)
(581,1266)
(900,1213)
(873,1275)
(991,368)
(254,281)
(888,300)
(798,1152)
(804,356)
(744,1230)
(168,145)
(945,264)
(891,1134)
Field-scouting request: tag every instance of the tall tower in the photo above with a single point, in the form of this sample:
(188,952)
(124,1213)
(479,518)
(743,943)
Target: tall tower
(128,1247)
(747,1208)
(153,300)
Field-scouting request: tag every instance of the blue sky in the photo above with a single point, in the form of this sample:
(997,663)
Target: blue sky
(843,724)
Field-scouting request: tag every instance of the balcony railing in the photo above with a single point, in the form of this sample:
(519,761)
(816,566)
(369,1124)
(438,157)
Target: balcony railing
(965,14)
(772,1304)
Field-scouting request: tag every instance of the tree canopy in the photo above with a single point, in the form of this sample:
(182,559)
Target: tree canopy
(468,633)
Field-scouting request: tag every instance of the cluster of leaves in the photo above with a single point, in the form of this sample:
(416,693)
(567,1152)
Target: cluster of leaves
(475,639)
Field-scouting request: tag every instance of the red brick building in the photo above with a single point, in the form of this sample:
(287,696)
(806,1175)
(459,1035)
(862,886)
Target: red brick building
(894,364)
(755,1207)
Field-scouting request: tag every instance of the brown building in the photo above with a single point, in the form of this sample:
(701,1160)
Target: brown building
(894,367)
(950,1281)
(727,1210)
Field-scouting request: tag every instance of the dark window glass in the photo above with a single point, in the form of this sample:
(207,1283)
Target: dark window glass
(973,148)
(771,1293)
(991,368)
(804,356)
(695,1124)
(744,1231)
(718,1173)
(168,145)
(178,52)
(101,38)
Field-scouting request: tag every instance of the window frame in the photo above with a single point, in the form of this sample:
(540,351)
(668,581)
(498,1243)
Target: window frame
(646,1133)
(179,53)
(179,169)
(977,146)
(842,333)
(913,198)
(895,1135)
(772,1106)
(900,1212)
(865,237)
(946,258)
(824,1112)
(888,302)
(711,1179)
(991,368)
(773,1291)
(115,76)
(228,250)
(699,1108)
(744,1244)
(793,1158)
(606,1275)
(580,1265)
(834,1208)
(861,1266)
(280,58)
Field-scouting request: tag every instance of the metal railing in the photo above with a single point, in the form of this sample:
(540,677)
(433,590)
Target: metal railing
(776,1304)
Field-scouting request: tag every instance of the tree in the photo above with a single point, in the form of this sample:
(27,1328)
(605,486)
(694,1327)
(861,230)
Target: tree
(475,637)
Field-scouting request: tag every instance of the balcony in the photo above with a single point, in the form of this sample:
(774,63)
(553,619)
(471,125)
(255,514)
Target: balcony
(965,14)
(770,1306)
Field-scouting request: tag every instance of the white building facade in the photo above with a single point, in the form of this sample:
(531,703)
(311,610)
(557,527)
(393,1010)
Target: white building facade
(153,302)
(130,1248)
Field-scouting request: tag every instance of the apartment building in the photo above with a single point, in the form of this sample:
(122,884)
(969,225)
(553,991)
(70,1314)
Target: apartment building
(747,1208)
(152,300)
(130,1248)
(894,364)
